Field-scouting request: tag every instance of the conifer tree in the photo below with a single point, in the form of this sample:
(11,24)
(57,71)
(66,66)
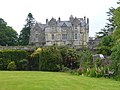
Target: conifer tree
(25,32)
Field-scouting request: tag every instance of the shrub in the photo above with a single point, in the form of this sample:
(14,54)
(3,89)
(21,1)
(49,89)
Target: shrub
(12,55)
(4,63)
(11,66)
(117,77)
(92,72)
(1,64)
(23,64)
(65,69)
(74,72)
(49,59)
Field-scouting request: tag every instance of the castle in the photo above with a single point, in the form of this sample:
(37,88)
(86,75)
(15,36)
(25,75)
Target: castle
(74,32)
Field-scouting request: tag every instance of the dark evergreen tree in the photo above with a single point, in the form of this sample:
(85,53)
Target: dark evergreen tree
(8,36)
(25,32)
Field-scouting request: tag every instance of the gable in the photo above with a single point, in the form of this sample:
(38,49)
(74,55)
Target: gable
(64,25)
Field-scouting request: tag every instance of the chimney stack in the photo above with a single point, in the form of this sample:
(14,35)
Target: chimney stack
(87,20)
(46,21)
(59,19)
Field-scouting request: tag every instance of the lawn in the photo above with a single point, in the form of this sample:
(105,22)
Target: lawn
(35,80)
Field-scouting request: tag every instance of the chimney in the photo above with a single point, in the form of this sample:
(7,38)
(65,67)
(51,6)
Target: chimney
(46,21)
(87,20)
(59,19)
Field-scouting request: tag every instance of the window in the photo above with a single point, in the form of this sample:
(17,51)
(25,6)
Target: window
(52,36)
(64,36)
(75,35)
(75,27)
(36,39)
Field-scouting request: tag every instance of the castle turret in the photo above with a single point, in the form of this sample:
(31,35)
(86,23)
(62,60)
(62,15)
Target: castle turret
(71,18)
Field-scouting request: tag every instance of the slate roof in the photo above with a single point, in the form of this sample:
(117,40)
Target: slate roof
(61,23)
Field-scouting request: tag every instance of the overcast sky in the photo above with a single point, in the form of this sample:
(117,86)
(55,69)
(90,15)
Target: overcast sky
(14,12)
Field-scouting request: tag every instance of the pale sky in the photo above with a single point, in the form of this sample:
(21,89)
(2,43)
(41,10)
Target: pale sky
(14,12)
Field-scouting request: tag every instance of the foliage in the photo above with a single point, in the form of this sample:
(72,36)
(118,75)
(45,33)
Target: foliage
(6,56)
(70,58)
(11,66)
(116,17)
(50,59)
(65,69)
(110,26)
(115,56)
(92,72)
(85,59)
(105,45)
(23,64)
(8,36)
(34,59)
(25,32)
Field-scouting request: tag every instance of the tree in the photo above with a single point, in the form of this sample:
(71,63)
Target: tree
(25,32)
(8,36)
(115,56)
(110,26)
(104,47)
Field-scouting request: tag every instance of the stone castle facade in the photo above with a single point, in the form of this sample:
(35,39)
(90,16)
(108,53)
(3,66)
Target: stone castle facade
(74,32)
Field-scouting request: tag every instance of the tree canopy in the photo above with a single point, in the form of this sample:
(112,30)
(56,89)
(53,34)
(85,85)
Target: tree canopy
(8,36)
(25,32)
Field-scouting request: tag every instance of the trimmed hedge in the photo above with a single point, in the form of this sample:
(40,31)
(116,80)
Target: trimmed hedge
(6,56)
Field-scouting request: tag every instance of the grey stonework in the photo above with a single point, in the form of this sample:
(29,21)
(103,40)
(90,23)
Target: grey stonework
(74,32)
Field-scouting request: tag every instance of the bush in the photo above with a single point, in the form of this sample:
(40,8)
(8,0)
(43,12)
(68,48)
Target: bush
(65,69)
(92,72)
(23,64)
(1,64)
(117,77)
(11,66)
(50,59)
(12,55)
(4,63)
(98,72)
(74,72)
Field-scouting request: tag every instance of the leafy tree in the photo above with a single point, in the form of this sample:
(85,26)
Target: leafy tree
(115,56)
(25,32)
(110,26)
(8,36)
(105,45)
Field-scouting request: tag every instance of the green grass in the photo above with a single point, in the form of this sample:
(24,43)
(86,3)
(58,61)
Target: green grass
(35,80)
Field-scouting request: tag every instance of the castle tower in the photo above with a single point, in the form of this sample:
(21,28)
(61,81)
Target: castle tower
(71,18)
